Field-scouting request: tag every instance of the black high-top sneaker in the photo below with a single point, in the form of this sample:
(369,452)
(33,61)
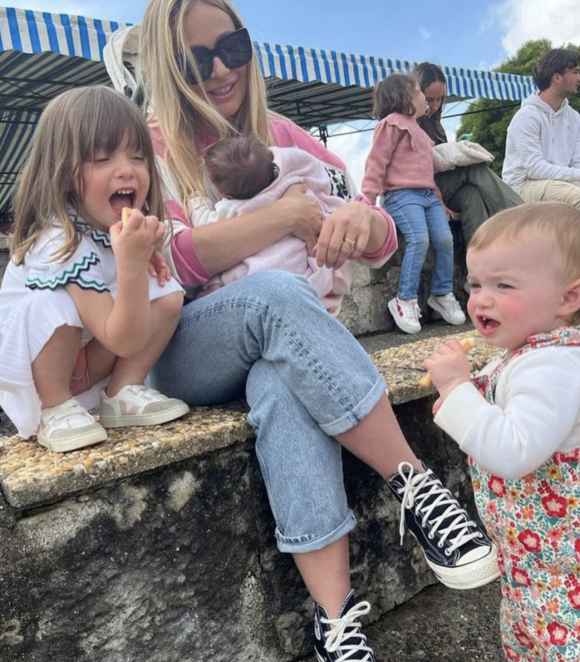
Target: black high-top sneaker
(340,639)
(455,547)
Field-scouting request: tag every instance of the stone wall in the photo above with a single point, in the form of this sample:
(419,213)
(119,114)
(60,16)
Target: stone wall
(365,310)
(180,565)
(158,545)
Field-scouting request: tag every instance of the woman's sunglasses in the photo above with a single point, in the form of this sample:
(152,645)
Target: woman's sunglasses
(234,50)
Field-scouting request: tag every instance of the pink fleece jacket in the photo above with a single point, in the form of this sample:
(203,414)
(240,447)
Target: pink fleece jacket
(190,271)
(401,156)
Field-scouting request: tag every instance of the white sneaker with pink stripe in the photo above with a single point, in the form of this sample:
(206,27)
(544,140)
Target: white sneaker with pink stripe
(68,427)
(136,404)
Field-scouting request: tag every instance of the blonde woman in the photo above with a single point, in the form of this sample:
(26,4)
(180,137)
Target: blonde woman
(310,386)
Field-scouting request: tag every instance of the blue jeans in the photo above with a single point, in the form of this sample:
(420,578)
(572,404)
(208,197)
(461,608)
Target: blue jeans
(306,379)
(421,218)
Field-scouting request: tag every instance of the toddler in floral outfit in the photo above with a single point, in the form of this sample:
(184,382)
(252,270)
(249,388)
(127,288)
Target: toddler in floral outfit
(519,419)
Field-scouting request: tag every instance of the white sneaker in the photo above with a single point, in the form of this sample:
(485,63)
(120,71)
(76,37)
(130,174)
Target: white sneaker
(448,307)
(136,404)
(67,427)
(406,314)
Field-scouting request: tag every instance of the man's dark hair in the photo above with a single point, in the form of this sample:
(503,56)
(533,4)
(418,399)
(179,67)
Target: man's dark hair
(556,61)
(240,167)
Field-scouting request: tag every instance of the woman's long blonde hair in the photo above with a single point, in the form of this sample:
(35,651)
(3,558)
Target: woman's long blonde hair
(74,126)
(184,118)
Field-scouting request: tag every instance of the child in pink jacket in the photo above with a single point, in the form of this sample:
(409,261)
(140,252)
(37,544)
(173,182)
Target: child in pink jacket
(400,167)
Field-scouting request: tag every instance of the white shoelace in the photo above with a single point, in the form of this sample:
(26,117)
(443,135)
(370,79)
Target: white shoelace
(344,628)
(411,311)
(451,301)
(431,488)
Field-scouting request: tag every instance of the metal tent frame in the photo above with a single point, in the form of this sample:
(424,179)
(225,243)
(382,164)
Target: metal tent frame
(43,54)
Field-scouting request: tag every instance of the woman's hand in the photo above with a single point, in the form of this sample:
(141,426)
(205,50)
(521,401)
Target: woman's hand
(451,215)
(158,268)
(448,367)
(346,234)
(303,213)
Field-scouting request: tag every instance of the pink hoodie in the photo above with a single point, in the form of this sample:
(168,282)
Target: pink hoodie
(190,270)
(401,156)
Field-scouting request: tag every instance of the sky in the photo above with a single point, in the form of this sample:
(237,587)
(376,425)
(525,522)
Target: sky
(475,35)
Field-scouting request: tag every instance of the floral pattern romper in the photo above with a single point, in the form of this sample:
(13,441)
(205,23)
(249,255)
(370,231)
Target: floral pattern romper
(535,524)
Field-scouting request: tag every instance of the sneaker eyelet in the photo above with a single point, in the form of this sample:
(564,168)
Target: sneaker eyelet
(440,545)
(447,552)
(430,535)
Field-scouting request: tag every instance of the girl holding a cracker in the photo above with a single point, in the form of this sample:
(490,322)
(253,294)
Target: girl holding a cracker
(518,419)
(80,312)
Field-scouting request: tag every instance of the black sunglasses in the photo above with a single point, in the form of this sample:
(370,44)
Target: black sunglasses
(234,50)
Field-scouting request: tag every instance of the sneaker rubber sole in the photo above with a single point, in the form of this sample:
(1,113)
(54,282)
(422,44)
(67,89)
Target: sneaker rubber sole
(468,576)
(94,435)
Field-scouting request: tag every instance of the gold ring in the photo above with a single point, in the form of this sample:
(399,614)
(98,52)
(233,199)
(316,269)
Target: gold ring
(350,242)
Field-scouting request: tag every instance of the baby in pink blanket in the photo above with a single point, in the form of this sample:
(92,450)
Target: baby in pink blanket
(247,175)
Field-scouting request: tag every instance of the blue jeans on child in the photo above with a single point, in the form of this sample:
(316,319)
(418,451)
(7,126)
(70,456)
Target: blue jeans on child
(420,216)
(306,379)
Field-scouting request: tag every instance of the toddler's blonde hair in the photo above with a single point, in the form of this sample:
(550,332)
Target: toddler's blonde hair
(556,223)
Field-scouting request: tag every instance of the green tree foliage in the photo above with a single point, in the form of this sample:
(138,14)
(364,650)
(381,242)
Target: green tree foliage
(488,124)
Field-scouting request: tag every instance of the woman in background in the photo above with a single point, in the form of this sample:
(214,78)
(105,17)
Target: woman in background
(473,193)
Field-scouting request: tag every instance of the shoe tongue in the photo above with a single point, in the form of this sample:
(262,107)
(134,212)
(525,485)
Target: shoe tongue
(439,510)
(347,605)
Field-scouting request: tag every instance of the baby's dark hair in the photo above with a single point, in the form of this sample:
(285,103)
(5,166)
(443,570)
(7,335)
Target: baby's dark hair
(240,167)
(394,94)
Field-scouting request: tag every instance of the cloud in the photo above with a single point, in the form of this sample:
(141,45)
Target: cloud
(522,20)
(425,33)
(353,150)
(451,126)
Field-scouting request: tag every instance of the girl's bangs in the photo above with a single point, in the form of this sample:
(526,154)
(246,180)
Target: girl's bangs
(111,125)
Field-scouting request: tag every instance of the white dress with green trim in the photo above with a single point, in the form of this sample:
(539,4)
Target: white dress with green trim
(34,302)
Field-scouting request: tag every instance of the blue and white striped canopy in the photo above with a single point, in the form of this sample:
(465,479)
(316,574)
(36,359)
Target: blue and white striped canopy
(333,68)
(42,54)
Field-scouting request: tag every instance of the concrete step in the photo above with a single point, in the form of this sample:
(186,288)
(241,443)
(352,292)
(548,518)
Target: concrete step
(454,626)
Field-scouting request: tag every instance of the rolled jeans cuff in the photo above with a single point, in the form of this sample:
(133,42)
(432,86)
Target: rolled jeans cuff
(313,543)
(357,414)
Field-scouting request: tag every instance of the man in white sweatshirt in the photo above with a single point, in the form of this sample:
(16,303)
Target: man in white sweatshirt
(542,158)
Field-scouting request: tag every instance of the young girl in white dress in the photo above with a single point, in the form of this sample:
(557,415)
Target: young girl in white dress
(87,305)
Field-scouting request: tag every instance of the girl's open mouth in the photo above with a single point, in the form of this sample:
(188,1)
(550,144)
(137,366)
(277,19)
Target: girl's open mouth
(486,323)
(122,198)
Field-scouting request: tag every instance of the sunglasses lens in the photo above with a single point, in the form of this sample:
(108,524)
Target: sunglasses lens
(234,50)
(204,60)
